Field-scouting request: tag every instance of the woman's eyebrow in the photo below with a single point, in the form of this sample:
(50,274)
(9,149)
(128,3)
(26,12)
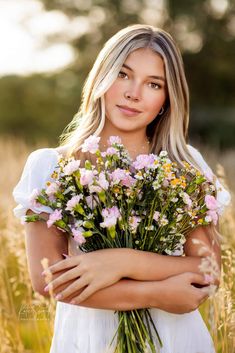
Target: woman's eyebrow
(151,76)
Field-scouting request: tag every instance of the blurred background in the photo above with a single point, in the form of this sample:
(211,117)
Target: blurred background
(47,49)
(49,46)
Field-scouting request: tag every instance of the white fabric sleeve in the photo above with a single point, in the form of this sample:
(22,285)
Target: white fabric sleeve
(37,171)
(223,196)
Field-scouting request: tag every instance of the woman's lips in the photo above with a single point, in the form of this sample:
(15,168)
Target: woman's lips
(128,111)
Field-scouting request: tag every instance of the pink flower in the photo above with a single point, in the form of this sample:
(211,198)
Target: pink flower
(87,176)
(91,144)
(102,181)
(120,175)
(78,237)
(95,188)
(211,202)
(73,202)
(32,198)
(165,183)
(91,202)
(156,216)
(143,161)
(110,216)
(111,151)
(71,167)
(114,139)
(134,222)
(117,175)
(54,216)
(212,216)
(52,188)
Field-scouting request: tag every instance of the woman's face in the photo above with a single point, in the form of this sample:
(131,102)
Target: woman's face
(138,93)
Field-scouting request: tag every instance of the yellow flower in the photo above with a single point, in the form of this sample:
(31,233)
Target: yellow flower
(54,175)
(167,167)
(175,182)
(116,190)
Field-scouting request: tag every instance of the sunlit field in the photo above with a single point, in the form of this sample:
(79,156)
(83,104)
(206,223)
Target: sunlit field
(26,322)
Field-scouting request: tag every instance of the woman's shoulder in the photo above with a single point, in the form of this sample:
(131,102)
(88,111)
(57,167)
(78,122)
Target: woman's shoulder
(197,156)
(223,195)
(46,154)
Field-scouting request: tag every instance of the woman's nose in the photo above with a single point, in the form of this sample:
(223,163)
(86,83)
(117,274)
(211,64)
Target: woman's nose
(133,93)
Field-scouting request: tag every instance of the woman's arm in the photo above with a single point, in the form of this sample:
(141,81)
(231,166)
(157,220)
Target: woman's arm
(150,266)
(180,295)
(175,294)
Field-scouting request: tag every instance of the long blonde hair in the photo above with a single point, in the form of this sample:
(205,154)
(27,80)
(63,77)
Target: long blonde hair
(167,132)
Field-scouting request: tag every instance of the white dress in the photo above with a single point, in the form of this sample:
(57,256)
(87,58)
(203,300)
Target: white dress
(79,329)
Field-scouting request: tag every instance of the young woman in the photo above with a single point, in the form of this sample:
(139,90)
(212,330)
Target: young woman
(138,91)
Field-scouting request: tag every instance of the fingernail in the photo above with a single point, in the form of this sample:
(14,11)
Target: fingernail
(58,296)
(65,255)
(47,288)
(45,272)
(208,278)
(72,301)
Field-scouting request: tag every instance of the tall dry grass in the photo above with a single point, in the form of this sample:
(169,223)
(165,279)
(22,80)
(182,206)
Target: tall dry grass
(26,321)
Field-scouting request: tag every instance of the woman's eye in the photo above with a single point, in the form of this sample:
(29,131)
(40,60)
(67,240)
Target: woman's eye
(154,85)
(122,74)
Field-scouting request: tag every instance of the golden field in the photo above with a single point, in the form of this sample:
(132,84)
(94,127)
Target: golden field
(26,322)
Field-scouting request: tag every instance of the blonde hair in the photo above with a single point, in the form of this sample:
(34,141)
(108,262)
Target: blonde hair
(167,132)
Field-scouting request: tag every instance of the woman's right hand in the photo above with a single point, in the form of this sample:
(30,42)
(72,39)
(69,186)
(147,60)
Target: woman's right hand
(178,295)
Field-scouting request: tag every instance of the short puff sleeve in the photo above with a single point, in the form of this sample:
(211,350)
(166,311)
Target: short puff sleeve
(37,171)
(223,196)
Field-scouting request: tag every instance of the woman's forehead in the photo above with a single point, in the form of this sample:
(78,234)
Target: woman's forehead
(145,60)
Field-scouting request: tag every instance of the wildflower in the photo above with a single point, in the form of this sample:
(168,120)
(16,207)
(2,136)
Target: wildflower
(211,216)
(211,202)
(111,151)
(32,198)
(143,161)
(156,185)
(156,216)
(91,202)
(52,188)
(53,217)
(163,154)
(123,176)
(87,176)
(134,222)
(78,235)
(175,182)
(72,203)
(186,199)
(163,221)
(95,189)
(114,139)
(102,181)
(91,144)
(110,216)
(71,167)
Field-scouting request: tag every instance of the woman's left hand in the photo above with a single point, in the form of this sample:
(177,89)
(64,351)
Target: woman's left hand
(94,271)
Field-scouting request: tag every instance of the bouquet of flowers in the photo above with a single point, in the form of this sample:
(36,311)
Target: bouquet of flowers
(149,204)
